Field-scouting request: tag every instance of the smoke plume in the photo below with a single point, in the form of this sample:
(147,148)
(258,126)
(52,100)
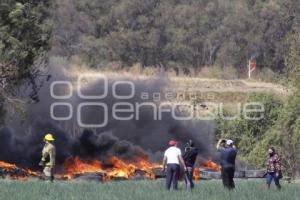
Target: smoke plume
(22,142)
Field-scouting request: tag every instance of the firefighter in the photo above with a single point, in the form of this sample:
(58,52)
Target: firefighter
(48,157)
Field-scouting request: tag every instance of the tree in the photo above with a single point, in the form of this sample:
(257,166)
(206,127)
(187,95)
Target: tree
(285,133)
(290,120)
(190,33)
(25,32)
(248,133)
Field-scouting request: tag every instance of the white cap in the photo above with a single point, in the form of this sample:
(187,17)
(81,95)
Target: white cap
(229,142)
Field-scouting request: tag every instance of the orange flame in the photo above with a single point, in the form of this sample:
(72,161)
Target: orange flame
(120,169)
(209,164)
(196,174)
(17,173)
(7,165)
(75,166)
(117,168)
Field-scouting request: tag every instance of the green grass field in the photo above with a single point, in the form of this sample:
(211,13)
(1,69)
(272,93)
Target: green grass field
(141,190)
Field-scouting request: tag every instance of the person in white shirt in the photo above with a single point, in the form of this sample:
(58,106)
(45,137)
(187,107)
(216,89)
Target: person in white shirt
(173,159)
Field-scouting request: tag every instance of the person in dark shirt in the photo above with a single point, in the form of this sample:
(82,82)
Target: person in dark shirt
(227,162)
(189,158)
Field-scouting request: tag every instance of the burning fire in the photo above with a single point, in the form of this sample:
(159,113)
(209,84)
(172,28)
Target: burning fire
(120,169)
(209,164)
(75,166)
(14,172)
(196,174)
(7,165)
(112,168)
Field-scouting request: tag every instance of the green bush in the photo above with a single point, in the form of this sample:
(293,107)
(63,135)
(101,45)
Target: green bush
(248,134)
(279,128)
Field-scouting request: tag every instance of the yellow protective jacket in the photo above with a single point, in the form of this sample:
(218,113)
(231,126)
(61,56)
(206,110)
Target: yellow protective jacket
(48,155)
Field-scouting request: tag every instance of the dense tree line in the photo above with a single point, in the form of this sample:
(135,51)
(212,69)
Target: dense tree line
(25,31)
(189,33)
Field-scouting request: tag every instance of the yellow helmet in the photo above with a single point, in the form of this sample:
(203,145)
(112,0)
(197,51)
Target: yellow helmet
(49,137)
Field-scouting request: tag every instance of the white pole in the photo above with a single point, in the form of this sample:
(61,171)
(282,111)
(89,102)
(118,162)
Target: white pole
(249,70)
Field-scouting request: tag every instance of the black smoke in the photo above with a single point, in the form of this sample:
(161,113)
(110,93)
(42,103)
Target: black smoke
(21,142)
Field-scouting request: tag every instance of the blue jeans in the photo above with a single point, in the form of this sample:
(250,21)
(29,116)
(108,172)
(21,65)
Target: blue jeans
(270,176)
(173,171)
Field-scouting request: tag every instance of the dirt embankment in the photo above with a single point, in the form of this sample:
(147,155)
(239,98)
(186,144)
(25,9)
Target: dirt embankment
(222,91)
(217,85)
(212,90)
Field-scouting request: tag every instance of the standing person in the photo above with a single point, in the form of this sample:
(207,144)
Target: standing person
(189,158)
(172,159)
(48,157)
(273,168)
(227,161)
